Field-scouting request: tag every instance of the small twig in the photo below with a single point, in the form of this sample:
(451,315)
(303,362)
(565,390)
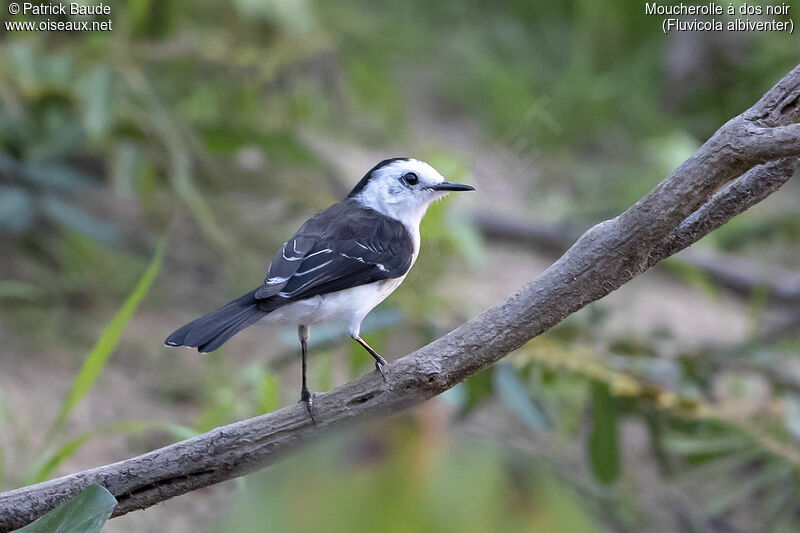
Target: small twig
(738,274)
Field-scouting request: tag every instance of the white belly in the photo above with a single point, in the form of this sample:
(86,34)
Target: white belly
(349,306)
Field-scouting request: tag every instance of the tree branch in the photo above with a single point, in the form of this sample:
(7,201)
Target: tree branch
(738,274)
(673,215)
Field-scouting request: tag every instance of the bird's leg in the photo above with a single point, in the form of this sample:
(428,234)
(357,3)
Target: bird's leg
(380,362)
(305,396)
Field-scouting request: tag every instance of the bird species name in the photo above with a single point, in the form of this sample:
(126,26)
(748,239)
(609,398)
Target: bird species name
(654,8)
(711,9)
(674,24)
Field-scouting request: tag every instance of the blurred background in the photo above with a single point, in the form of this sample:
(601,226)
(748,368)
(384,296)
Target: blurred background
(147,175)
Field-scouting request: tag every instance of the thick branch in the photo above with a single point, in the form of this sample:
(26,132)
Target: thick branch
(603,259)
(742,194)
(738,274)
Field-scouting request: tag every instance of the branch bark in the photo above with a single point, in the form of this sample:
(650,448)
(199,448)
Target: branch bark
(676,213)
(739,274)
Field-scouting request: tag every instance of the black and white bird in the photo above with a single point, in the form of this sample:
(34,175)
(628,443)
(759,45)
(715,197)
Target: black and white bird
(340,264)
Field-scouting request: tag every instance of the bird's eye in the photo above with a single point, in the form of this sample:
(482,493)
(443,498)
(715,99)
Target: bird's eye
(411,178)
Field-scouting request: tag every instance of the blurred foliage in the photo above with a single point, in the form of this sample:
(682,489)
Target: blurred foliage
(95,361)
(45,464)
(3,424)
(45,460)
(86,512)
(404,481)
(194,118)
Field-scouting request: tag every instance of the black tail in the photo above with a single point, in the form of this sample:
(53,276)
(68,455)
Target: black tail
(210,331)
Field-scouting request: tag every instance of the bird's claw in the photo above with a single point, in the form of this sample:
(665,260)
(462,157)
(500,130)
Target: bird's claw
(379,364)
(307,398)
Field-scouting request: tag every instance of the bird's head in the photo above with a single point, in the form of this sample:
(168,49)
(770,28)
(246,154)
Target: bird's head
(403,188)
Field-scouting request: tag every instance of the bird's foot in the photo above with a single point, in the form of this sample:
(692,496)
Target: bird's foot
(380,362)
(307,398)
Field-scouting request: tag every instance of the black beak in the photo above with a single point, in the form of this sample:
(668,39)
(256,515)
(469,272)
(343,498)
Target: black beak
(447,186)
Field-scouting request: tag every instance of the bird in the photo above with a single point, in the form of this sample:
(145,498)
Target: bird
(338,266)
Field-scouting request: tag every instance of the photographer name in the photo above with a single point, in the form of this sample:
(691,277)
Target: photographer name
(73,8)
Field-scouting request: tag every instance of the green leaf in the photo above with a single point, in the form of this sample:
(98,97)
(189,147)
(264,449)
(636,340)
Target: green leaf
(655,428)
(16,210)
(78,220)
(180,431)
(690,446)
(692,275)
(180,158)
(791,414)
(268,398)
(603,445)
(96,359)
(769,477)
(24,64)
(85,513)
(96,99)
(126,168)
(515,395)
(296,16)
(466,237)
(59,176)
(20,290)
(479,386)
(323,370)
(264,386)
(455,396)
(43,469)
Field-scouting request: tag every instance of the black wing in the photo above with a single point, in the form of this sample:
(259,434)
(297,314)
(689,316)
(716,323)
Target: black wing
(345,246)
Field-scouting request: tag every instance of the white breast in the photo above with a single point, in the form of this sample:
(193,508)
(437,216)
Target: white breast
(348,306)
